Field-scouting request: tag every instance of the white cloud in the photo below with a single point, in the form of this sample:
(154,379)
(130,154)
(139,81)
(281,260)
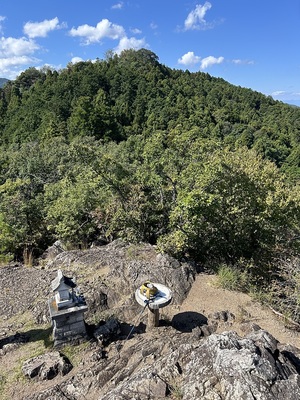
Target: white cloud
(15,53)
(16,61)
(11,67)
(50,66)
(104,29)
(130,43)
(41,29)
(209,61)
(189,59)
(136,31)
(76,60)
(247,62)
(279,93)
(10,47)
(117,6)
(196,18)
(285,95)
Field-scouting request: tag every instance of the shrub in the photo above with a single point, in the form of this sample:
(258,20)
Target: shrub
(231,278)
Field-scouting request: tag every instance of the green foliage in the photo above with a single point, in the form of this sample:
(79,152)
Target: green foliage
(6,239)
(126,147)
(232,205)
(233,278)
(133,94)
(18,212)
(69,207)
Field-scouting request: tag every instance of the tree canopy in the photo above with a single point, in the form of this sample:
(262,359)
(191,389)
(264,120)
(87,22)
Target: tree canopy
(127,147)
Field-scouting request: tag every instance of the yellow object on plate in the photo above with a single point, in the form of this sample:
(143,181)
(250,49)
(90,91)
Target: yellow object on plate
(148,290)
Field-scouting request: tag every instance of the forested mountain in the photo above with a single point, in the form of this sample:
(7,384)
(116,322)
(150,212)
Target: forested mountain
(133,94)
(3,81)
(126,147)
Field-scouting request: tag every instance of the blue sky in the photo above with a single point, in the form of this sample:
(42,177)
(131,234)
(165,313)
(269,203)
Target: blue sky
(253,44)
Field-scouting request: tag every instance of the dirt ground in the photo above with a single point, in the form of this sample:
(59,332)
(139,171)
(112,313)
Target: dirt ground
(206,298)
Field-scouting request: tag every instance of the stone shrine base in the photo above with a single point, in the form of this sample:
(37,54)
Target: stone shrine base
(68,324)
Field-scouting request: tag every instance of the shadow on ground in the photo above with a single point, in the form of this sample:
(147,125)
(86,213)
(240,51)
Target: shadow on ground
(33,335)
(187,321)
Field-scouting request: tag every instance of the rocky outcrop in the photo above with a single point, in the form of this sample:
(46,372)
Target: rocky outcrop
(117,270)
(46,366)
(174,365)
(52,251)
(107,331)
(181,359)
(107,275)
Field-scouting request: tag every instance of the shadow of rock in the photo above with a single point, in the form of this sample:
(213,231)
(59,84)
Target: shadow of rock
(33,335)
(291,355)
(187,321)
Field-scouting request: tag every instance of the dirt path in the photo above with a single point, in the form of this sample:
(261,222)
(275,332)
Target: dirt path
(206,298)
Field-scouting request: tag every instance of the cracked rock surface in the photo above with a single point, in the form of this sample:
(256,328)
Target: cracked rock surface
(166,364)
(209,346)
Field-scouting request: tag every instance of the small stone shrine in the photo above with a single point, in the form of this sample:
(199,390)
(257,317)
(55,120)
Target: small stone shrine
(67,309)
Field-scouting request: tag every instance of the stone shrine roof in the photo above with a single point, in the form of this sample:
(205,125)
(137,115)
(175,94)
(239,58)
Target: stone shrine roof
(62,279)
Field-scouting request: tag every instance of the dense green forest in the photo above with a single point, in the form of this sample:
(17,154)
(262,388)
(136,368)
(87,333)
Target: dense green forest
(128,148)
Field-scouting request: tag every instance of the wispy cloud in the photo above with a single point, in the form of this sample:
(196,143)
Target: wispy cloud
(135,31)
(209,61)
(278,93)
(196,18)
(41,29)
(189,59)
(117,6)
(94,34)
(1,20)
(243,62)
(286,95)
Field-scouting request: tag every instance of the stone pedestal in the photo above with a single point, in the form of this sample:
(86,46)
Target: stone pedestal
(68,324)
(160,299)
